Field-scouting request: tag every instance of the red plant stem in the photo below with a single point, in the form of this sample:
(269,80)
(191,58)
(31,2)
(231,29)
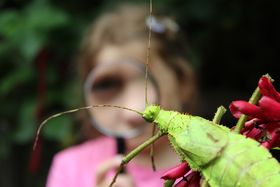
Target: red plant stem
(40,61)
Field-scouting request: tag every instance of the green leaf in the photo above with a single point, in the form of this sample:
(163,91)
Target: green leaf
(58,128)
(30,44)
(9,21)
(40,15)
(17,76)
(26,128)
(5,148)
(28,30)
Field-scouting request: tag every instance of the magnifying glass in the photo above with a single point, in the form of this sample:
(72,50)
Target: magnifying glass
(120,83)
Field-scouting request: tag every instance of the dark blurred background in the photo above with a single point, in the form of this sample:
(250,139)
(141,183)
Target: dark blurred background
(233,43)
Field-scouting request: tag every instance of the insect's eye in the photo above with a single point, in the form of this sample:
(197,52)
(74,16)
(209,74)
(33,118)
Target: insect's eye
(151,112)
(106,88)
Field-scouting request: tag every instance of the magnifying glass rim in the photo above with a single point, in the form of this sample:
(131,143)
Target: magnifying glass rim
(132,133)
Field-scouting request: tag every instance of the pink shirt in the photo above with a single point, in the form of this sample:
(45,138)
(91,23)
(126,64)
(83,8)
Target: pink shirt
(75,166)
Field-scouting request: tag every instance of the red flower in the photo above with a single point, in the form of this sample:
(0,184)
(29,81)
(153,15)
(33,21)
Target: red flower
(264,118)
(176,172)
(267,89)
(192,179)
(274,141)
(270,108)
(189,177)
(238,108)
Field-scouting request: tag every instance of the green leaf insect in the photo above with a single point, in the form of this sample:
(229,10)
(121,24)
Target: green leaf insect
(223,157)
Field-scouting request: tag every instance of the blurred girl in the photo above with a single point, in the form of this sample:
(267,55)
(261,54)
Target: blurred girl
(112,60)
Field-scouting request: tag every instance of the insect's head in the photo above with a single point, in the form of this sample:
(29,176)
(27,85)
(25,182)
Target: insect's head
(151,113)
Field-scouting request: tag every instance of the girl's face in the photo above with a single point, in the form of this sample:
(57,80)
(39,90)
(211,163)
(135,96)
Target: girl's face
(119,79)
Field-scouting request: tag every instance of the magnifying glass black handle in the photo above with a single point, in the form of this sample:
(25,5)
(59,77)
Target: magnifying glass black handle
(121,148)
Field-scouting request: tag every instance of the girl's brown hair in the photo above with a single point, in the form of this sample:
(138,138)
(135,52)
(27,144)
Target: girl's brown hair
(126,23)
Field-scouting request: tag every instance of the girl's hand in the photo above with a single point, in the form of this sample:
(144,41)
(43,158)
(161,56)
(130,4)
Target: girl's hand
(123,180)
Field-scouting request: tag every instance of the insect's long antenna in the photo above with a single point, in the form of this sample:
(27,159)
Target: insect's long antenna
(76,110)
(146,78)
(148,52)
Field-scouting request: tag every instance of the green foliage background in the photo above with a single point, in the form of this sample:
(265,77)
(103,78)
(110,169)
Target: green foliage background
(233,43)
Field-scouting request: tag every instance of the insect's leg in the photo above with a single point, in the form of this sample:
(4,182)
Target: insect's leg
(135,152)
(219,114)
(152,150)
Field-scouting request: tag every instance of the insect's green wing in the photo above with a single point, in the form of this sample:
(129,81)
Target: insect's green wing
(200,140)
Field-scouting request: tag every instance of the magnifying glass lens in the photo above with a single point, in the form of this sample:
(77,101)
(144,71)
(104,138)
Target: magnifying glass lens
(106,88)
(121,84)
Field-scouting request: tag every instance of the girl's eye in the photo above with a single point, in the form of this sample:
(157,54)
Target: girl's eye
(106,88)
